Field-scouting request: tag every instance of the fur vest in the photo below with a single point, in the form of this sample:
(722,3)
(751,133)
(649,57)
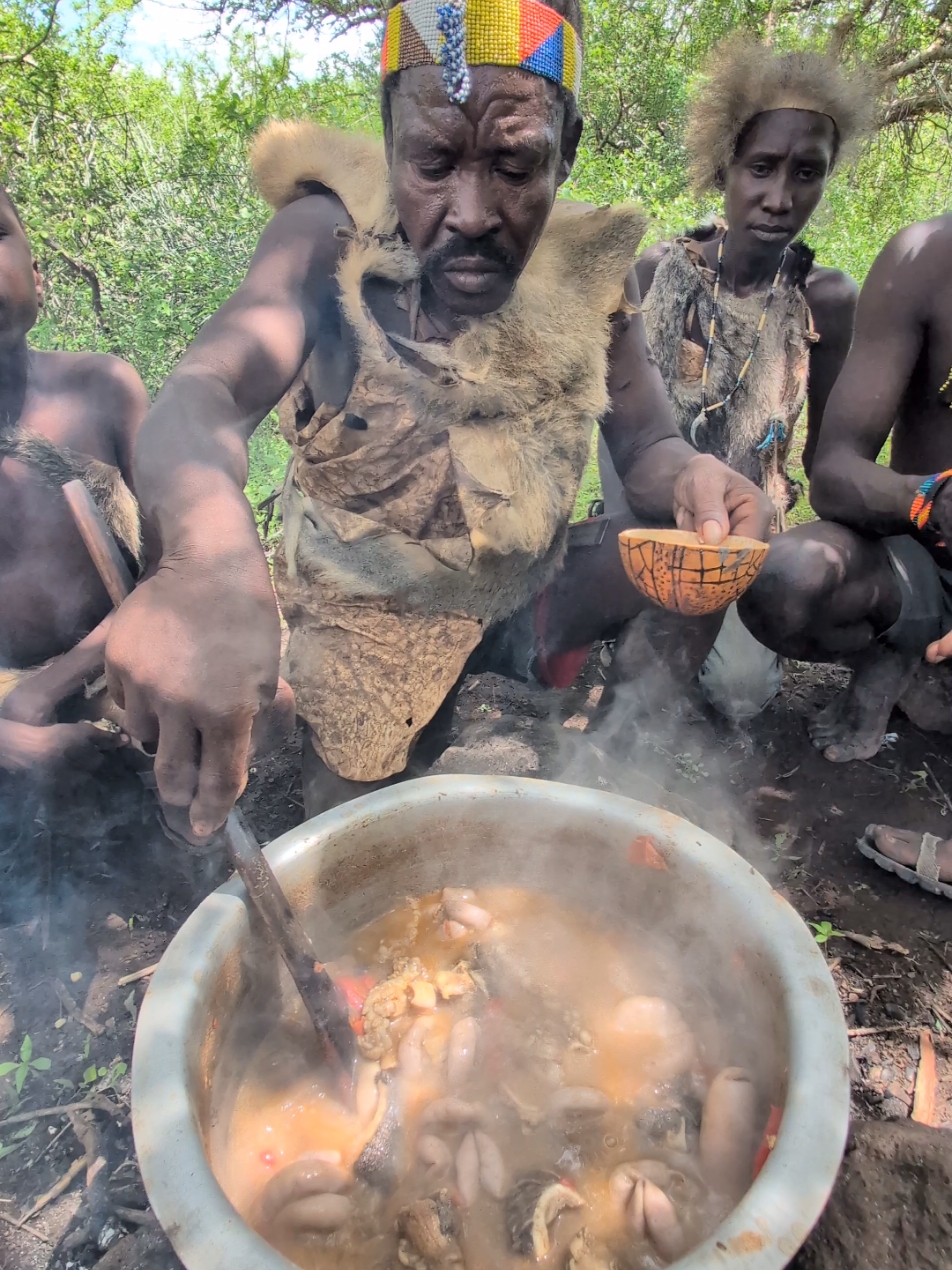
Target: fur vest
(446,481)
(754,432)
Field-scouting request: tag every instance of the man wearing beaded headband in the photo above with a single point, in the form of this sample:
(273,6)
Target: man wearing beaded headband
(452,334)
(743,323)
(870,585)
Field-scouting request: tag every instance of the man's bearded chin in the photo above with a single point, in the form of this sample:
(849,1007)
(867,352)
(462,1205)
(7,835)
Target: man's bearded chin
(471,257)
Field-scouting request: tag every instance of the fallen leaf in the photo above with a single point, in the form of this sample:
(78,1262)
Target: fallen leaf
(594,696)
(875,943)
(6,1023)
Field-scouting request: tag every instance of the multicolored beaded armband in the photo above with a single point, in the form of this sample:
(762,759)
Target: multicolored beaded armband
(926,494)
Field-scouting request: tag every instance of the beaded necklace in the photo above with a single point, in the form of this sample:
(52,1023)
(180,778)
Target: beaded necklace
(705,410)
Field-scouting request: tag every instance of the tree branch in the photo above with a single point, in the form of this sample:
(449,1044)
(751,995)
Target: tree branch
(342,15)
(938,51)
(88,275)
(16,58)
(844,28)
(917,106)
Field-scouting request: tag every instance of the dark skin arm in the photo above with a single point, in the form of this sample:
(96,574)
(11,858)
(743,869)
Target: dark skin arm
(34,701)
(665,477)
(832,297)
(847,484)
(192,656)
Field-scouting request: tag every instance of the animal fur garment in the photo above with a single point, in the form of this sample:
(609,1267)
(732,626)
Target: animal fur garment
(744,78)
(442,487)
(109,491)
(769,401)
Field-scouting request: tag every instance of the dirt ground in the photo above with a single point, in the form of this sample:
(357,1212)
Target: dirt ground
(91,892)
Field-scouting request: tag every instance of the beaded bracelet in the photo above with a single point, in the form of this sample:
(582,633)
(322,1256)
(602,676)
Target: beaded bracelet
(926,494)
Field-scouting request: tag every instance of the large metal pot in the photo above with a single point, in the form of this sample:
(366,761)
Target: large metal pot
(742,941)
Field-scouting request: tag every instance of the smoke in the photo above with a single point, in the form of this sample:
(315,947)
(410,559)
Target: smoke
(655,739)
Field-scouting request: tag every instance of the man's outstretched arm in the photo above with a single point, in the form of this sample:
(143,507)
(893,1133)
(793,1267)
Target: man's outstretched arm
(665,478)
(193,654)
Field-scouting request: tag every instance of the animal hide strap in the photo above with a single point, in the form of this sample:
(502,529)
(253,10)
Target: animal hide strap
(57,466)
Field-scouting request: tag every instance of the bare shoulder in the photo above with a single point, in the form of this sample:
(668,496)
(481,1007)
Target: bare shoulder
(831,289)
(924,245)
(304,236)
(832,296)
(95,404)
(647,263)
(107,383)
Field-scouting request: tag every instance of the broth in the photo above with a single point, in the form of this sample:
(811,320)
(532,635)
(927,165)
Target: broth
(529,1090)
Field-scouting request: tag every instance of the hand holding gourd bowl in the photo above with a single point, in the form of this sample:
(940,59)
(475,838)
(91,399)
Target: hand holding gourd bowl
(674,569)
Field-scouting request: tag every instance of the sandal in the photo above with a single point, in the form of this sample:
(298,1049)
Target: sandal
(926,872)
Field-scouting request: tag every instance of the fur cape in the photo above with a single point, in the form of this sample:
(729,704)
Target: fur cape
(513,399)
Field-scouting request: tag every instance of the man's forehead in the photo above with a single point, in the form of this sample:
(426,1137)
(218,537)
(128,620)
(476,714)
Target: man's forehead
(502,102)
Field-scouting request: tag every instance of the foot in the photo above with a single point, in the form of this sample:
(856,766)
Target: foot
(853,725)
(902,845)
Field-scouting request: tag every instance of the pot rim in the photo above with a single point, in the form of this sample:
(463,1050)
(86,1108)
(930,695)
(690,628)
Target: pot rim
(763,1232)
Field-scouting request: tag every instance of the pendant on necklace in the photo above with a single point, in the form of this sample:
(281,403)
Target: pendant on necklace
(699,422)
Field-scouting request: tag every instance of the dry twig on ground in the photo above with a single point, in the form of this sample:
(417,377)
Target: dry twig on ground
(137,975)
(74,1012)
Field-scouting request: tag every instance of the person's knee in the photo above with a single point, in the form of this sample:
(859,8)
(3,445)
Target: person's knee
(786,602)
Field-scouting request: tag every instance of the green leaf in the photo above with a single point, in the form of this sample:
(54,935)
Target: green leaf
(824,931)
(117,1070)
(41,1064)
(89,1075)
(21,1134)
(21,1076)
(7,1068)
(26,1049)
(5,1151)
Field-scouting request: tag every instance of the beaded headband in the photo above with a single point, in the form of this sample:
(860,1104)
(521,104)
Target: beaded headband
(457,34)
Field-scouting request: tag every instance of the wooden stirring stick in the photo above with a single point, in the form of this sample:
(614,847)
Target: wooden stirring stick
(323,1001)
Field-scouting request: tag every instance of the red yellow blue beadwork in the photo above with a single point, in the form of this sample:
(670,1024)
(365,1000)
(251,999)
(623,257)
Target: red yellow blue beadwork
(523,33)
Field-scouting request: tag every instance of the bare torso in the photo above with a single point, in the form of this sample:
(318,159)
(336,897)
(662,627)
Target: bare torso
(50,593)
(922,435)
